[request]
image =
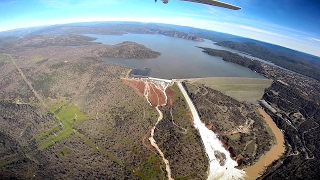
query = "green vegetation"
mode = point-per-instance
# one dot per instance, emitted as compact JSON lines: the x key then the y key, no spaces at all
{"x":57,"y":106}
{"x":65,"y":151}
{"x":176,"y":91}
{"x":235,"y":58}
{"x":242,"y":89}
{"x":6,"y":162}
{"x":234,"y":137}
{"x":94,"y":147}
{"x":180,"y":141}
{"x":38,"y":58}
{"x":112,"y":143}
{"x":44,"y":135}
{"x":250,"y":147}
{"x":67,"y":114}
{"x":270,"y":132}
{"x":189,"y":138}
{"x":5,"y":57}
{"x":180,"y":112}
{"x":152,"y":166}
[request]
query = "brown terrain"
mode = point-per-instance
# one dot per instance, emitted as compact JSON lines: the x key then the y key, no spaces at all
{"x":170,"y":94}
{"x":66,"y":114}
{"x":87,"y":124}
{"x":154,"y":95}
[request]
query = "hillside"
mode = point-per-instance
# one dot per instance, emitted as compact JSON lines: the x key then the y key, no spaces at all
{"x":238,"y":124}
{"x":298,"y":62}
{"x":64,"y":113}
{"x":107,"y":28}
{"x":292,"y":101}
{"x":81,"y":100}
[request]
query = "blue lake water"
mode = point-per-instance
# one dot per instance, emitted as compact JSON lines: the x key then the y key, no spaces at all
{"x":179,"y":58}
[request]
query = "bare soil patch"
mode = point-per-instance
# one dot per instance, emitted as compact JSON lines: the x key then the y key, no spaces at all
{"x":155,"y":95}
{"x":137,"y":86}
{"x":170,"y":94}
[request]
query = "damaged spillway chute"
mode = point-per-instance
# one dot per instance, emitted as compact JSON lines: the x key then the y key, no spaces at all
{"x":222,"y":166}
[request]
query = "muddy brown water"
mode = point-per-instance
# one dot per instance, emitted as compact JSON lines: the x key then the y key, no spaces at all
{"x":253,"y":172}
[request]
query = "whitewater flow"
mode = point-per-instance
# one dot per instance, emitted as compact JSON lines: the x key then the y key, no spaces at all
{"x":222,"y":166}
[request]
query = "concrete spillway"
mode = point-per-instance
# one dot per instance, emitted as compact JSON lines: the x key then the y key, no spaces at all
{"x":222,"y":166}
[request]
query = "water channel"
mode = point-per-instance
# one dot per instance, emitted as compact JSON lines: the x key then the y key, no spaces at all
{"x":253,"y":172}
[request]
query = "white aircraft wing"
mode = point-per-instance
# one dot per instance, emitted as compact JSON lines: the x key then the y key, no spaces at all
{"x":215,"y":3}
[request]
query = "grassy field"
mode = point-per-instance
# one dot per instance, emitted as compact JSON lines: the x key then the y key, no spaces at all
{"x":5,"y":58}
{"x":250,"y":148}
{"x":67,"y":114}
{"x":234,"y":137}
{"x":37,"y":58}
{"x":242,"y":89}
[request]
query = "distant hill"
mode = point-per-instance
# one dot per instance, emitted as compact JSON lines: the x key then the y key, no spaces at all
{"x":108,"y":28}
{"x":206,"y":34}
{"x":296,"y":61}
{"x":19,"y":32}
{"x":293,"y":60}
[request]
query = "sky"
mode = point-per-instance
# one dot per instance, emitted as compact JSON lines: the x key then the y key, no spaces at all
{"x":290,"y":23}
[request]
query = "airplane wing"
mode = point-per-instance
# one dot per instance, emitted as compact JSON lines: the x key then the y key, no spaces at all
{"x":215,"y":3}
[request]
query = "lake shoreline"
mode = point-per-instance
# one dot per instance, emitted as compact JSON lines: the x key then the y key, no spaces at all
{"x":185,"y":60}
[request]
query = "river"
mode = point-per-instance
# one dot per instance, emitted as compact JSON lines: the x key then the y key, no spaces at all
{"x":277,"y":150}
{"x":179,"y":58}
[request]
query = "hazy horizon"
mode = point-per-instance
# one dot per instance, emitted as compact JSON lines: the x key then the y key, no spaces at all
{"x":290,"y":24}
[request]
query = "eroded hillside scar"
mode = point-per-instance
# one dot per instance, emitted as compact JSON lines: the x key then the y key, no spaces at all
{"x":154,"y":90}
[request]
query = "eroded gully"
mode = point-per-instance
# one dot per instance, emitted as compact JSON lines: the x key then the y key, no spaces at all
{"x":162,"y":86}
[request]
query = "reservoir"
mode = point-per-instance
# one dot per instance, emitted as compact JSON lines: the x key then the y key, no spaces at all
{"x":179,"y":58}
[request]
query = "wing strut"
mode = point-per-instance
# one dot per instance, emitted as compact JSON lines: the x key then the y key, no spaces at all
{"x":215,"y":3}
{"x":210,"y":2}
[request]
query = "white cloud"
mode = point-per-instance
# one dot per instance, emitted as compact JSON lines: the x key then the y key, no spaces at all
{"x":257,"y":30}
{"x":289,"y":40}
{"x":313,"y":39}
{"x":239,"y":30}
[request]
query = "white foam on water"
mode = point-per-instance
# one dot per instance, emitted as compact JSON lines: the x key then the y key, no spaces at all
{"x":225,"y":171}
{"x":220,"y":168}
